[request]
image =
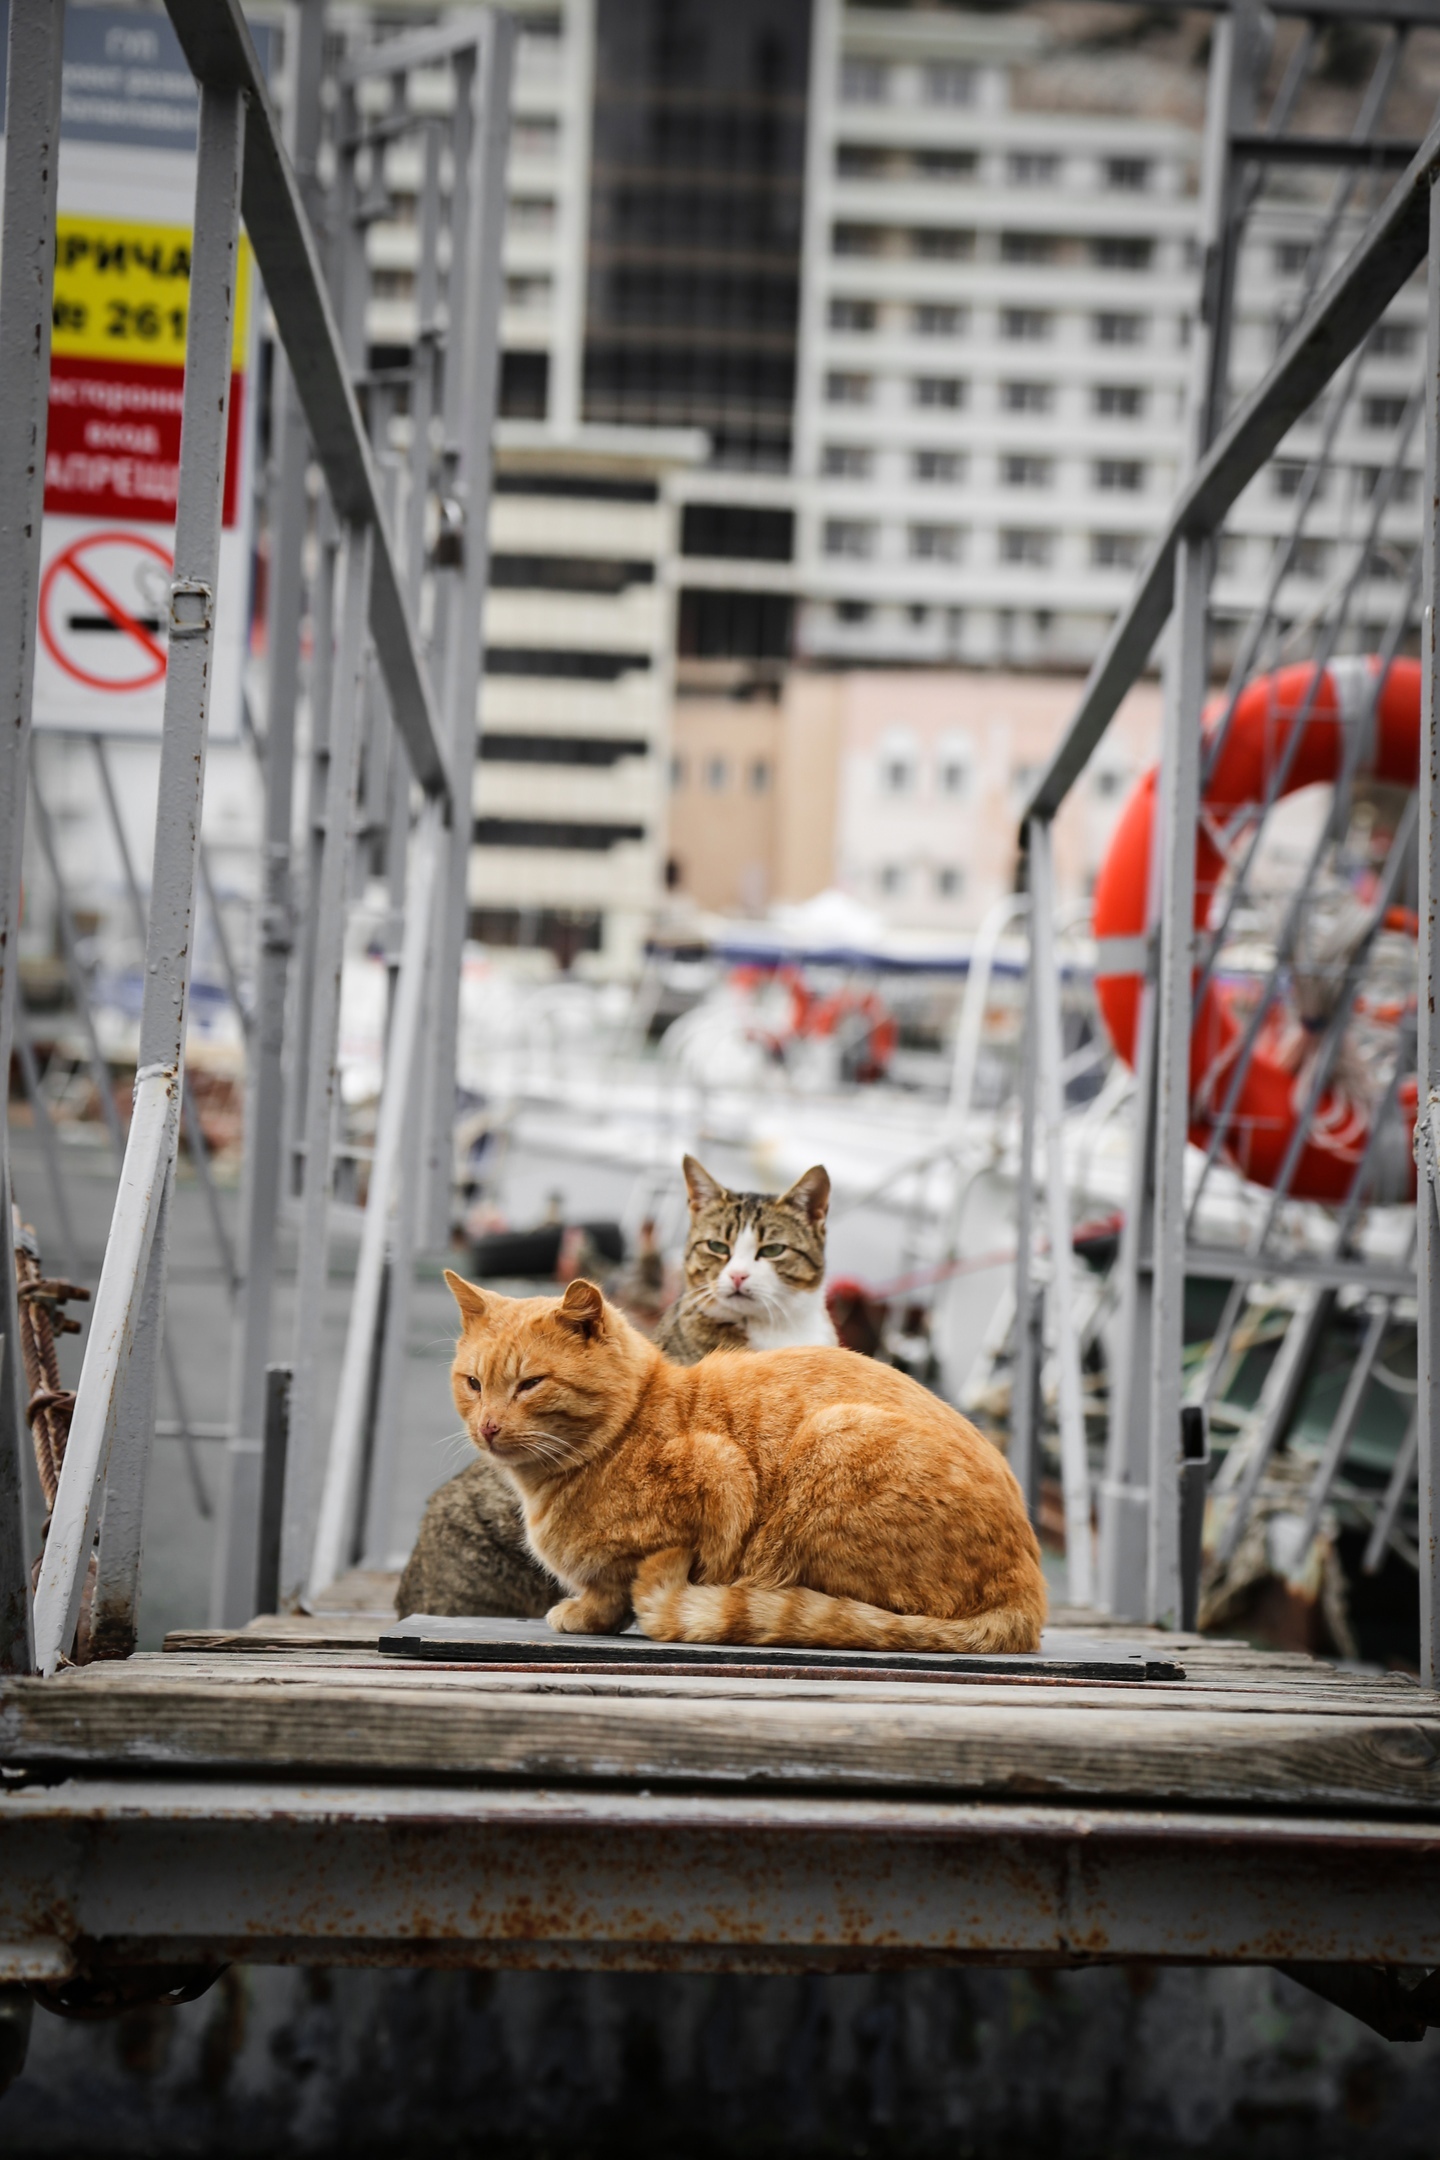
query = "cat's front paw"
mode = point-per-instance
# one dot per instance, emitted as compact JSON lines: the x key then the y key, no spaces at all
{"x":589,"y":1615}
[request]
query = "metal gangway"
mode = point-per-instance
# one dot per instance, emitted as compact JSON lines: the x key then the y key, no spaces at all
{"x":325,"y":1787}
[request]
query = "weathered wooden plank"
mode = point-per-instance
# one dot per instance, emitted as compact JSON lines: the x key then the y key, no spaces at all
{"x":312,"y":1668}
{"x":1056,"y":1751}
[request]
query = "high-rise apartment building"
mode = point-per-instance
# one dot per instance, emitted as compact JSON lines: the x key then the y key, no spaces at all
{"x":918,"y":284}
{"x":993,"y":347}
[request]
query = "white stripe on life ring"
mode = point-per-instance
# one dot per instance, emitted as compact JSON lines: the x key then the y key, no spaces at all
{"x":1125,"y":955}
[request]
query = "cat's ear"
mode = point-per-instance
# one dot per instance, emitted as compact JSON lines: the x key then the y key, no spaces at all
{"x":810,"y":1195}
{"x":583,"y":1309}
{"x":473,"y":1303}
{"x":703,"y":1189}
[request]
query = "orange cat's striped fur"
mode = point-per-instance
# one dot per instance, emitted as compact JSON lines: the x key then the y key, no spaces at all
{"x":781,"y":1496}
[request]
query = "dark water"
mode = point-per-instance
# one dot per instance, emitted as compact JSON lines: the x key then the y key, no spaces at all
{"x":1124,"y":2064}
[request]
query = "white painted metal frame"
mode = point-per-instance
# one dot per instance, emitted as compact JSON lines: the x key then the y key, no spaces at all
{"x":243,"y":170}
{"x":1140,"y":1574}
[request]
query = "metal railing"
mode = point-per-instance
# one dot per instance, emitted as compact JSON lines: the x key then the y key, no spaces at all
{"x":374,"y":682}
{"x":1138,"y":1567}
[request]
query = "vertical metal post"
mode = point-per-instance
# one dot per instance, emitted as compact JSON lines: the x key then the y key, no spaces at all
{"x":1428,"y":1046}
{"x":27,"y":266}
{"x":114,"y":1423}
{"x":1125,"y":1485}
{"x":1126,"y":1506}
{"x":1045,"y":998}
{"x":1025,"y":1388}
{"x":1179,"y":807}
{"x":471,"y":376}
{"x":334,"y":1527}
{"x":327,"y":905}
{"x":233,"y":1583}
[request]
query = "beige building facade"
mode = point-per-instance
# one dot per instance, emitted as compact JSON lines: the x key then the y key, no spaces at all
{"x":900,"y":787}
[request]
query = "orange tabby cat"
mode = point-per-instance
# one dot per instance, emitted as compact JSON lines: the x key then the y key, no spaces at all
{"x":778,"y":1496}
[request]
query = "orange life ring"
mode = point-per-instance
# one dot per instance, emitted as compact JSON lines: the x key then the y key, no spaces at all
{"x":1258,"y":740}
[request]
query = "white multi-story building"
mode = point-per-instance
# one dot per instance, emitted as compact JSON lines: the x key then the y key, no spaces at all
{"x":925,"y":279}
{"x":994,"y":336}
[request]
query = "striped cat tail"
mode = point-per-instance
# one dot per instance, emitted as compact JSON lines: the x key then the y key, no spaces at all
{"x":670,"y":1608}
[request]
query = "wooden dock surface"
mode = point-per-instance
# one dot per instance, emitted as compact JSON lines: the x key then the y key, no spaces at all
{"x":287,"y":1791}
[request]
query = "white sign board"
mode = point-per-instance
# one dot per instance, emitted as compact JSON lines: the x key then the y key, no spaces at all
{"x":129,"y":110}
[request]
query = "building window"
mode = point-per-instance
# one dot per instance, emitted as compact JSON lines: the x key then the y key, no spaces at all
{"x":531,"y":213}
{"x":1287,"y":477}
{"x":937,"y":468}
{"x":1025,"y":547}
{"x":1121,"y":252}
{"x":1118,"y":401}
{"x":1291,"y":257}
{"x":1404,"y":487}
{"x":846,"y":461}
{"x":849,"y":239}
{"x":677,"y":771}
{"x":931,"y":319}
{"x":1027,"y":247}
{"x":949,"y":882}
{"x":1108,"y":783}
{"x":1119,"y":329}
{"x":1119,"y":475}
{"x":1025,"y":326}
{"x":1382,"y":412}
{"x":1115,"y":551}
{"x":946,"y":391}
{"x":949,"y":82}
{"x":946,"y":164}
{"x":1230,"y":555}
{"x":527,"y":293}
{"x":891,"y":879}
{"x":1393,"y":340}
{"x":935,"y":543}
{"x":898,"y":766}
{"x":919,"y":614}
{"x":864,"y":81}
{"x":953,"y":770}
{"x":717,"y":774}
{"x":852,"y":314}
{"x":759,"y":776}
{"x":843,"y":388}
{"x":849,"y":536}
{"x":1026,"y":397}
{"x":533,"y":137}
{"x":942,"y":243}
{"x":1311,"y":558}
{"x":1032,"y":168}
{"x":1021,"y":470}
{"x":852,"y":611}
{"x":1131,"y":174}
{"x":740,"y":531}
{"x":860,"y":161}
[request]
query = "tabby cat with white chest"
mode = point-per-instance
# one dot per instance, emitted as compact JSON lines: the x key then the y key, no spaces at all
{"x":754,"y":1270}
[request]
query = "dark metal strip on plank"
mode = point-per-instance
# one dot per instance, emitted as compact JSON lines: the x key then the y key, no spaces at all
{"x":487,"y":1641}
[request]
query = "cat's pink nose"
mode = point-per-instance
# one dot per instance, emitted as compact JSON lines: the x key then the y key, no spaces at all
{"x":739,"y":1276}
{"x":488,"y":1428}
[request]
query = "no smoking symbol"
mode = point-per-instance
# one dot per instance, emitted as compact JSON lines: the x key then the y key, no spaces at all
{"x":102,"y":611}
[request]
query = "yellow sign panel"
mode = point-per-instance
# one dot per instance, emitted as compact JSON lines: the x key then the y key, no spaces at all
{"x":122,"y":292}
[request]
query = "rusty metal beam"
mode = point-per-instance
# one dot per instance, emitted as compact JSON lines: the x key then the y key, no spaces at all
{"x":197,"y":1870}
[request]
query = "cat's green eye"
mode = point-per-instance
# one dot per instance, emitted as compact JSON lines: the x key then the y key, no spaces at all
{"x":474,"y":1382}
{"x":771,"y":1252}
{"x":717,"y":1245}
{"x":523,"y":1387}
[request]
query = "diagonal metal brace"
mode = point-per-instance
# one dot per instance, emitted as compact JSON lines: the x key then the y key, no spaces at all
{"x":218,"y":47}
